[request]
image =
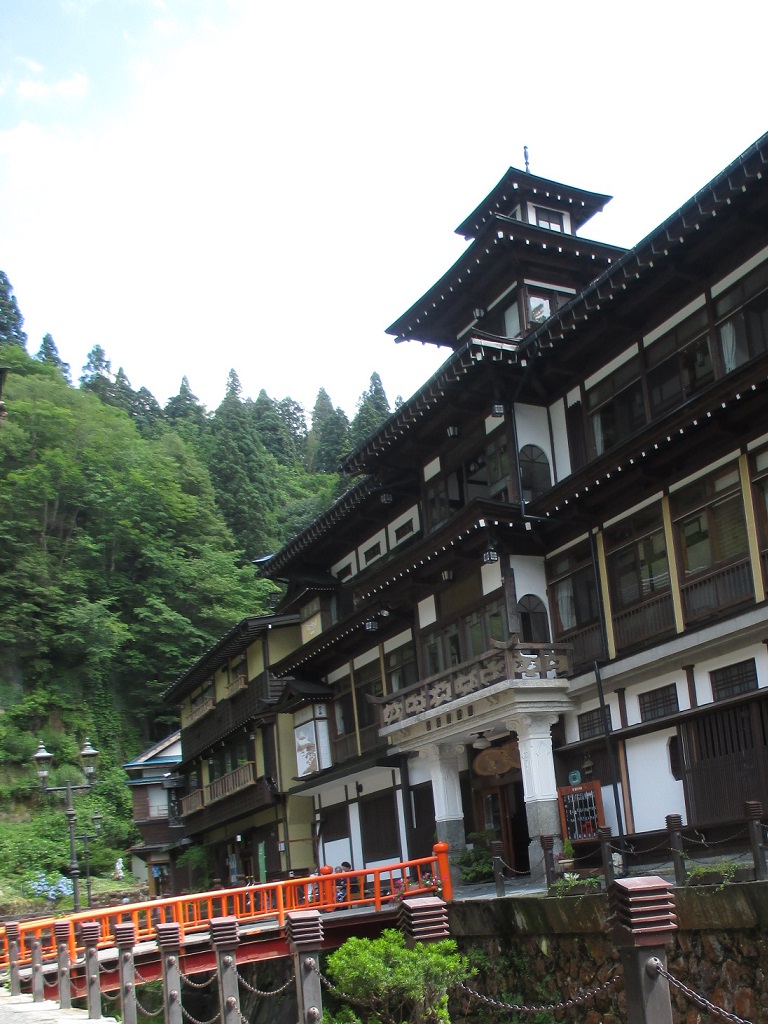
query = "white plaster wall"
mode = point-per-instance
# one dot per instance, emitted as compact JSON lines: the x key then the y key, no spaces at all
{"x":655,"y":793}
{"x":533,"y":427}
{"x":427,"y":612}
{"x":701,"y":671}
{"x":609,"y":807}
{"x":490,"y":576}
{"x":530,"y":577}
{"x":571,"y":722}
{"x":562,"y":460}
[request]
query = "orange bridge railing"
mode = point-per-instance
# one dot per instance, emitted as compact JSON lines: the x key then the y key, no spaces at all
{"x":369,"y":888}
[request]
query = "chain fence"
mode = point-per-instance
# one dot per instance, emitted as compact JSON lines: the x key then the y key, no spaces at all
{"x":696,"y":997}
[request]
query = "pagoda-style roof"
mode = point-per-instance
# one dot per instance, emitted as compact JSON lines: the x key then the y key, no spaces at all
{"x":505,"y":250}
{"x":517,"y":187}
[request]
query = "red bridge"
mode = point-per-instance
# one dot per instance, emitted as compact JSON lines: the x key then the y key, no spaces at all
{"x":352,"y":902}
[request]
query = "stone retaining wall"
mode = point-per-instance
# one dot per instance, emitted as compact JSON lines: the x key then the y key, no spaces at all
{"x":538,"y":950}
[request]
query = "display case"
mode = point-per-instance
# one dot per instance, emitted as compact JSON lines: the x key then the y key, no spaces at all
{"x":581,"y":811}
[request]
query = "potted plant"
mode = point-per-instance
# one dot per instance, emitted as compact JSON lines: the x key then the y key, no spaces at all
{"x":572,"y":884}
{"x":566,"y":859}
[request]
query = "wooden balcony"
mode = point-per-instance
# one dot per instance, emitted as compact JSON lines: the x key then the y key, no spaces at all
{"x":259,"y":790}
{"x":652,"y":619}
{"x":710,"y":593}
{"x":236,"y":685}
{"x":520,"y":663}
{"x":198,"y":712}
{"x":193,"y":802}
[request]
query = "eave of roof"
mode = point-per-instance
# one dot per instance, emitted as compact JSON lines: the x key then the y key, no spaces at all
{"x":237,"y":640}
{"x":470,"y":267}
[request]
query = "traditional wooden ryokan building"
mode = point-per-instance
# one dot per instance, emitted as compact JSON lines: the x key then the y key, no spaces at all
{"x":574,"y":505}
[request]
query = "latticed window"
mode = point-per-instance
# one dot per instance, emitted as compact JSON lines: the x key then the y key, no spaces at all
{"x":637,"y":564}
{"x":714,"y":531}
{"x":592,"y":723}
{"x":659,"y":702}
{"x":734,"y":679}
{"x":534,"y":472}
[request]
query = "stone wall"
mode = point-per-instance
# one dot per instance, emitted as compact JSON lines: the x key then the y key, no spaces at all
{"x":536,"y":950}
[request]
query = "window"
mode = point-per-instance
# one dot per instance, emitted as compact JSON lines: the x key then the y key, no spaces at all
{"x":574,"y":598}
{"x":401,"y":668}
{"x":592,"y":723}
{"x":403,"y":530}
{"x":638,"y":567}
{"x":344,"y":714}
{"x":444,"y":495}
{"x":489,"y":623}
{"x":679,"y":363}
{"x":367,"y":683}
{"x":733,"y":680}
{"x":616,"y":406}
{"x":534,"y":622}
{"x":742,"y":312}
{"x":658,"y":703}
{"x":551,"y":219}
{"x":372,"y":552}
{"x":534,"y":472}
{"x":713,"y":532}
{"x":466,"y":638}
{"x":334,"y":823}
{"x":344,"y":571}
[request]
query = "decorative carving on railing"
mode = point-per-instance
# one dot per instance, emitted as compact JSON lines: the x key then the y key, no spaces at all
{"x":520,"y":663}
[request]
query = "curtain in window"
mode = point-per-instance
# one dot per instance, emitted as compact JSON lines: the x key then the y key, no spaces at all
{"x":566,"y":604}
{"x":728,"y":345}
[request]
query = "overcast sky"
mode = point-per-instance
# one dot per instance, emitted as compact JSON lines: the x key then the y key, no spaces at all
{"x":197,"y":185}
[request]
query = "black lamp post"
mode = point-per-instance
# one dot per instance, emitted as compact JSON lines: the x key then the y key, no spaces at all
{"x":85,"y":839}
{"x":88,"y":756}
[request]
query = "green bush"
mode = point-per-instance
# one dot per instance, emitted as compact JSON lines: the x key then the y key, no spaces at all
{"x":476,"y":865}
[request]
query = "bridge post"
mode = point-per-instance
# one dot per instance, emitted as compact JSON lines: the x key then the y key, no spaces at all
{"x":642,"y":919}
{"x":604,"y":834}
{"x":224,"y":939}
{"x":304,"y":931}
{"x":91,"y":931}
{"x":674,"y":827}
{"x":169,"y":943}
{"x":440,"y":851}
{"x":125,"y":940}
{"x":753,"y":810}
{"x":62,"y":931}
{"x":37,"y":980}
{"x":12,"y":935}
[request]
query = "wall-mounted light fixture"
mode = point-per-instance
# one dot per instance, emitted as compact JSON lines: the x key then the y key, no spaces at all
{"x":490,"y":555}
{"x":497,"y":410}
{"x":588,"y":767}
{"x":371,"y":626}
{"x":447,"y":575}
{"x":452,"y":431}
{"x":478,"y":313}
{"x":386,"y":498}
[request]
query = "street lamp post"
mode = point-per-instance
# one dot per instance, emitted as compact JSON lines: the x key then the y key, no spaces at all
{"x":88,"y":756}
{"x":85,"y":839}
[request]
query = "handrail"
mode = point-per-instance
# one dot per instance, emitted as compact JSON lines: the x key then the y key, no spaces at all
{"x":374,"y":888}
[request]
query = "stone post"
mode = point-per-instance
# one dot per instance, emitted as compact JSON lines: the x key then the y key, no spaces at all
{"x":12,"y":935}
{"x":604,"y":834}
{"x":125,"y":940}
{"x":169,"y":943}
{"x":548,"y":851}
{"x":753,"y":810}
{"x":498,"y":866}
{"x":534,"y":740}
{"x":674,"y":827}
{"x":642,"y":919}
{"x":91,"y":932}
{"x":224,"y":939}
{"x":443,"y":759}
{"x":62,"y":931}
{"x":304,"y":931}
{"x":37,"y":979}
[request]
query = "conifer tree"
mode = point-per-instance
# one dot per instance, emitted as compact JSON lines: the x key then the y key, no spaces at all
{"x":11,"y":320}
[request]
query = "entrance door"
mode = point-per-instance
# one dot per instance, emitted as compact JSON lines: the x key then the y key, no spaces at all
{"x":502,"y":811}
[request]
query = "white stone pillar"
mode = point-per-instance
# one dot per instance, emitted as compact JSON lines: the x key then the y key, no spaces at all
{"x":537,"y":764}
{"x":443,"y":760}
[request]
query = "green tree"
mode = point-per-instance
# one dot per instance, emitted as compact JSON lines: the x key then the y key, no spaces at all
{"x":390,"y":983}
{"x":11,"y":320}
{"x":97,"y":375}
{"x":372,"y":411}
{"x":48,"y":353}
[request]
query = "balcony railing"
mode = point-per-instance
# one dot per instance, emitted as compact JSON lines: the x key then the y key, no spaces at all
{"x":198,"y":712}
{"x":521,"y":663}
{"x":652,"y":618}
{"x":710,"y":593}
{"x":230,"y":783}
{"x":236,"y":685}
{"x":193,"y":802}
